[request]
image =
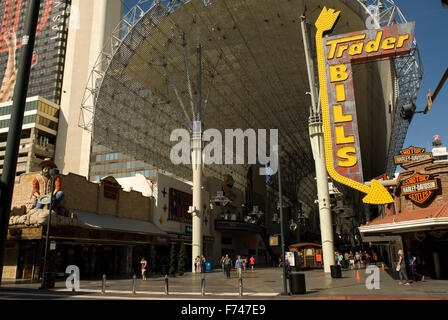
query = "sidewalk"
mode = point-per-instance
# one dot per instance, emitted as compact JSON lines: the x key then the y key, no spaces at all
{"x":264,"y":283}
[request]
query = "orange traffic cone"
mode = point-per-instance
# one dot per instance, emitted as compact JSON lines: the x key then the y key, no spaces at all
{"x":357,"y":275}
{"x":382,"y":266}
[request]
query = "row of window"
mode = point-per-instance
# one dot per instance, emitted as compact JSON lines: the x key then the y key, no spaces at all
{"x":32,"y":119}
{"x":33,"y":105}
{"x":26,"y":119}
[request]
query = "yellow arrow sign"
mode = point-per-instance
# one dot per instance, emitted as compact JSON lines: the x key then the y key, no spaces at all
{"x":376,"y":194}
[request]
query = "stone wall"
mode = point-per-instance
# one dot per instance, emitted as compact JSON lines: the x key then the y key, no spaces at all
{"x":83,"y":195}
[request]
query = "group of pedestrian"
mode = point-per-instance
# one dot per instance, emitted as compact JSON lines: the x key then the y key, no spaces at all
{"x":356,"y":259}
{"x":199,"y":264}
{"x":240,"y":265}
{"x":402,"y":268}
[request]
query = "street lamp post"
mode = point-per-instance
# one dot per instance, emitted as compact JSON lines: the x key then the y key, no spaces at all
{"x":16,"y":121}
{"x":53,"y":173}
{"x":282,"y":234}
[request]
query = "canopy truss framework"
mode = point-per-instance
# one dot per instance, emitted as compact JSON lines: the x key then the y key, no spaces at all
{"x":116,"y":86}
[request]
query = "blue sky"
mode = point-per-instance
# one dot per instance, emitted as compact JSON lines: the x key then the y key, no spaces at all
{"x":431,"y":30}
{"x":431,"y":25}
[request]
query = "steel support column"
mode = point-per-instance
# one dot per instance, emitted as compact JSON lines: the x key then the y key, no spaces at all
{"x":15,"y":127}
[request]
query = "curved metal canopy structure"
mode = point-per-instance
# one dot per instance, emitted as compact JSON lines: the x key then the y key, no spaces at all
{"x":253,"y":76}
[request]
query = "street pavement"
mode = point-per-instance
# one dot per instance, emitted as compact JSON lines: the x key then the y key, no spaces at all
{"x":262,"y":283}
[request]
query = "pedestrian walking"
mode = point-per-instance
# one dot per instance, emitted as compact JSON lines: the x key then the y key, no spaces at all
{"x":340,"y":259}
{"x":358,"y":260}
{"x":252,"y":263}
{"x":239,"y":266}
{"x":227,"y":265}
{"x":143,"y":264}
{"x":368,"y":257}
{"x":244,"y":264}
{"x":413,"y":264}
{"x":352,"y":260}
{"x":346,"y":259}
{"x":401,"y":268}
{"x":197,"y":263}
{"x":374,"y":257}
{"x":222,"y":265}
{"x":203,"y":261}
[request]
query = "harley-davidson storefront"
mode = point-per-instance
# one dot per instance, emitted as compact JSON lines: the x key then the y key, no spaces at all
{"x":417,"y":221}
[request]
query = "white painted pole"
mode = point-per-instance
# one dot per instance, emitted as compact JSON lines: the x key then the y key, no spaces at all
{"x":323,"y":195}
{"x":196,"y":157}
{"x":317,"y":145}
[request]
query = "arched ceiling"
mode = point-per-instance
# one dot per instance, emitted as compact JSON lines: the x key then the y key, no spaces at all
{"x":254,"y":75}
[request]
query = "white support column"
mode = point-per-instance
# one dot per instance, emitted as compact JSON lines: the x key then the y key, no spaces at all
{"x":317,"y":145}
{"x":196,"y":156}
{"x":323,"y":195}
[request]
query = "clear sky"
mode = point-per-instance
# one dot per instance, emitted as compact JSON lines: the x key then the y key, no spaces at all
{"x":431,"y":32}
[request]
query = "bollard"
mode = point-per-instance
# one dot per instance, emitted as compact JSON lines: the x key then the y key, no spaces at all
{"x":203,"y":284}
{"x":240,"y":285}
{"x":134,"y":278}
{"x":166,"y":284}
{"x":103,"y":288}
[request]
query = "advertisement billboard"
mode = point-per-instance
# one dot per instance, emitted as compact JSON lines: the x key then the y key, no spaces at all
{"x":49,"y":50}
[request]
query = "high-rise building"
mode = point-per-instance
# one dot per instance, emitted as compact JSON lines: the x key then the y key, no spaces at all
{"x":92,"y":23}
{"x":49,"y":49}
{"x":70,"y":35}
{"x":40,"y":124}
{"x":39,"y":130}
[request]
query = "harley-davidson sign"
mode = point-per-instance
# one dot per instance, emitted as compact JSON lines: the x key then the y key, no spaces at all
{"x":420,"y":187}
{"x":412,"y":154}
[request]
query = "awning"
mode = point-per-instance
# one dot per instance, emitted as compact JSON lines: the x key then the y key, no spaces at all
{"x":410,"y":220}
{"x":107,"y":222}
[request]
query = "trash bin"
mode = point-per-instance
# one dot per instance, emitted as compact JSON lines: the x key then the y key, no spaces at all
{"x":50,"y":277}
{"x":336,"y":271}
{"x":297,"y":283}
{"x":208,"y":267}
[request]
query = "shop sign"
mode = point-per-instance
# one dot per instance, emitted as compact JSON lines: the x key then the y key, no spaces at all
{"x":335,"y":56}
{"x":419,"y":187}
{"x":412,"y":154}
{"x":420,"y":236}
{"x":290,"y":258}
{"x":273,"y":241}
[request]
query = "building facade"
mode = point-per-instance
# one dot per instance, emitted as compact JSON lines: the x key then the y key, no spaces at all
{"x":417,"y":221}
{"x":98,"y":226}
{"x":39,"y":132}
{"x":92,"y":22}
